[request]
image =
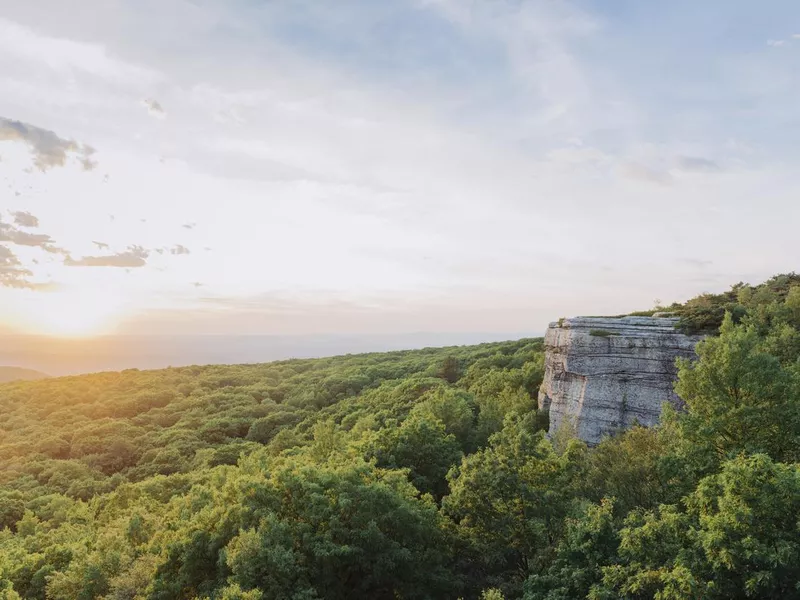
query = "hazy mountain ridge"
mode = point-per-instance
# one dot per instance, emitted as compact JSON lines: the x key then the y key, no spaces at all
{"x":8,"y":374}
{"x":66,"y":356}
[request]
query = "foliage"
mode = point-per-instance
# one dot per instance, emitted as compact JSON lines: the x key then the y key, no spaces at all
{"x":509,"y":500}
{"x":409,"y":475}
{"x":704,"y":314}
{"x":601,"y":333}
{"x":739,"y":537}
{"x":590,"y":542}
{"x":302,"y":478}
{"x":740,"y":397}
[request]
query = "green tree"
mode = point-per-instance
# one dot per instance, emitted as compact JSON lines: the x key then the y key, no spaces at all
{"x":453,"y":408}
{"x":631,"y":468}
{"x":340,"y":533}
{"x":739,"y":398}
{"x":450,"y":369}
{"x":421,"y":445}
{"x":738,"y":538}
{"x":264,"y":429}
{"x":510,"y":499}
{"x":590,"y":542}
{"x":12,"y":509}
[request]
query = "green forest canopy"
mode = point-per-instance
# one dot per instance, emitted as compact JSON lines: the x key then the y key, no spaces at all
{"x":418,"y":474}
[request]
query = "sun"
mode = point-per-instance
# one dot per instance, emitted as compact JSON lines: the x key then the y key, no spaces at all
{"x":72,"y":313}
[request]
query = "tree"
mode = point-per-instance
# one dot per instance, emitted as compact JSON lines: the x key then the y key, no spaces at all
{"x":340,"y":532}
{"x":739,"y":398}
{"x":509,"y":500}
{"x":421,"y":445}
{"x":264,"y":429}
{"x":11,"y":511}
{"x":450,"y":369}
{"x":590,"y":542}
{"x":453,"y":408}
{"x":630,"y":468}
{"x":738,"y":538}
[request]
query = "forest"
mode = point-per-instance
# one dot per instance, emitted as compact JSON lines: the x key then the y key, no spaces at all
{"x":409,"y":475}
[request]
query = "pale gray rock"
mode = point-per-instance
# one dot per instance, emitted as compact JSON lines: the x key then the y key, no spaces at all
{"x":605,"y":374}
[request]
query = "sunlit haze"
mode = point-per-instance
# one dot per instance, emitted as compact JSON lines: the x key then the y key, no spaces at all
{"x":450,"y":166}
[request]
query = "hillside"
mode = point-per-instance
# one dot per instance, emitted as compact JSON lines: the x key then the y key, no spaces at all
{"x":18,"y":373}
{"x":416,"y":474}
{"x":134,"y":424}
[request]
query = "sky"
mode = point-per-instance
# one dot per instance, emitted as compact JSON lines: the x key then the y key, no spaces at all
{"x":358,"y":167}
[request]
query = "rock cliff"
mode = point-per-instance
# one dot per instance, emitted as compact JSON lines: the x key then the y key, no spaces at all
{"x":607,"y":373}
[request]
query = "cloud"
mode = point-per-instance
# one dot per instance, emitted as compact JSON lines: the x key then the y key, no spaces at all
{"x":776,"y":43}
{"x":577,"y":155}
{"x":229,"y":116}
{"x":639,"y":172}
{"x":48,"y":149}
{"x":72,"y":58}
{"x":697,"y":164}
{"x":189,"y":225}
{"x":553,"y":90}
{"x":180,"y":249}
{"x":154,"y":108}
{"x":696,"y":262}
{"x":14,"y":275}
{"x":9,"y":233}
{"x":11,"y":272}
{"x":453,"y":143}
{"x":134,"y":257}
{"x":25,"y":219}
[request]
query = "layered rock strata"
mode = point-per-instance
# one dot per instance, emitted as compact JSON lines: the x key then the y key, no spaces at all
{"x":606,"y":373}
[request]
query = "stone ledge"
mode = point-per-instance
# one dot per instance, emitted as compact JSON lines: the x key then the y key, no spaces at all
{"x":604,"y":382}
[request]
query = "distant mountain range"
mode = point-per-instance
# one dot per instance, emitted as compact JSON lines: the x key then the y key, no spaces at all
{"x":59,"y":357}
{"x":16,"y":373}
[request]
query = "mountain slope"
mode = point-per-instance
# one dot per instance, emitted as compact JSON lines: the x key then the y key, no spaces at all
{"x":20,"y":374}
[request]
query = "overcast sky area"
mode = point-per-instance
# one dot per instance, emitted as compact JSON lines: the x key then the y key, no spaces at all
{"x":305,"y":167}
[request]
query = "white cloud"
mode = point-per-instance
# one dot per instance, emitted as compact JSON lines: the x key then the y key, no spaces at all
{"x":154,"y":108}
{"x":48,"y":149}
{"x":25,"y":219}
{"x":776,"y":43}
{"x":64,"y":55}
{"x":640,"y":172}
{"x":12,"y":274}
{"x":697,"y":164}
{"x":9,"y":233}
{"x":556,"y":94}
{"x":134,"y":257}
{"x":315,"y":173}
{"x":578,"y":155}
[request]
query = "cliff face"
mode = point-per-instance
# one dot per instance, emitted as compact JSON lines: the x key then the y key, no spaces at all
{"x":606,"y":373}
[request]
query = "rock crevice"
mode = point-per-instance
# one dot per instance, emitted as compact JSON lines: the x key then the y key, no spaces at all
{"x":606,"y":373}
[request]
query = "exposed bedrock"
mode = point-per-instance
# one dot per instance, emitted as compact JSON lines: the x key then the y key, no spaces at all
{"x":607,"y":373}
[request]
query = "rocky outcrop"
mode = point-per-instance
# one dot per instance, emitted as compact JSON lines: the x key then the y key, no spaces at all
{"x":607,"y":373}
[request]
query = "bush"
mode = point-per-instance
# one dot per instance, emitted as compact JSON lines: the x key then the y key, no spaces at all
{"x":601,"y":333}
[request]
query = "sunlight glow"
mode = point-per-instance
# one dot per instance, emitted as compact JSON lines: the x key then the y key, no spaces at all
{"x":72,"y":313}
